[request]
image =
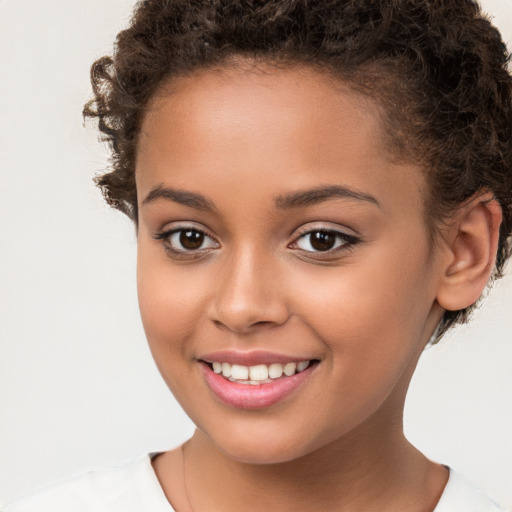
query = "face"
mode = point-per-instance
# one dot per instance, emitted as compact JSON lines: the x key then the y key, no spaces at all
{"x":276,"y":235}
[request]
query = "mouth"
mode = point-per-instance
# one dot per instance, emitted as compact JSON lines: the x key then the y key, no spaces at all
{"x":255,"y":386}
{"x":258,"y":374}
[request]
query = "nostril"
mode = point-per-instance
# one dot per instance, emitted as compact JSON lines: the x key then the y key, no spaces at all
{"x":243,"y":328}
{"x":262,"y":323}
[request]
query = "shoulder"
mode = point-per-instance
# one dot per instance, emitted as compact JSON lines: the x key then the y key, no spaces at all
{"x":461,"y":495}
{"x":131,"y":486}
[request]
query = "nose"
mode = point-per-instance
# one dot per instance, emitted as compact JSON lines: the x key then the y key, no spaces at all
{"x":249,"y":294}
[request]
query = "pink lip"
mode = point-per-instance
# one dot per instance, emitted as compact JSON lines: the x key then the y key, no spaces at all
{"x":251,"y":358}
{"x":248,"y":396}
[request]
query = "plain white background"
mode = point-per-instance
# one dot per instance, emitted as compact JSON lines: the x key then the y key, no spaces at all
{"x":78,"y":388}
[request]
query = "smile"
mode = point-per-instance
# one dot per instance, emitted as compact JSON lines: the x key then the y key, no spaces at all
{"x":256,"y":386}
{"x":258,"y":374}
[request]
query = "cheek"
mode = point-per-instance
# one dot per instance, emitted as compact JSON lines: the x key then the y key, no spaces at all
{"x":169,"y":300}
{"x":355,"y":300}
{"x":170,"y":306}
{"x":370,"y":325}
{"x":371,"y":317}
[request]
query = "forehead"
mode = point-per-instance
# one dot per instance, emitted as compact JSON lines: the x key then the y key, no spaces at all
{"x":289,"y":128}
{"x":296,"y":100}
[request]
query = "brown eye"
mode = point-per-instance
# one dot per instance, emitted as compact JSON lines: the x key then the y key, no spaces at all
{"x":322,"y":240}
{"x":191,"y":239}
{"x":187,"y":240}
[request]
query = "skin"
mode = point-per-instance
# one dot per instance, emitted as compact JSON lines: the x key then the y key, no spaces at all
{"x":365,"y":310}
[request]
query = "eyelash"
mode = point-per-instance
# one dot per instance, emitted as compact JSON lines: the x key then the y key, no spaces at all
{"x":345,"y":242}
{"x":166,"y":236}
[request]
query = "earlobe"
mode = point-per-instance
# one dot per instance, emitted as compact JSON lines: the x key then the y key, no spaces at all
{"x":472,"y":244}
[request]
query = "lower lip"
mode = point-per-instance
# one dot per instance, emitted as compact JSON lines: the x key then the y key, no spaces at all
{"x":249,"y":396}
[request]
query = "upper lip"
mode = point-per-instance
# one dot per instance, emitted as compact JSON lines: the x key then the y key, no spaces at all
{"x":250,"y":358}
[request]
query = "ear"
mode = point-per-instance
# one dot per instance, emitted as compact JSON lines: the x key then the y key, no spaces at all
{"x":472,"y":244}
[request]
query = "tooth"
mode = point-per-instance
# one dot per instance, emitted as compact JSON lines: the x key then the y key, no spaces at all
{"x":259,"y":372}
{"x":217,"y":367}
{"x":226,"y":369}
{"x":289,"y":369}
{"x":275,"y":370}
{"x":239,"y":372}
{"x":302,"y":365}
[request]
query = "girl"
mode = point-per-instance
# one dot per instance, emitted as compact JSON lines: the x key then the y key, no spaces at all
{"x":319,"y":190}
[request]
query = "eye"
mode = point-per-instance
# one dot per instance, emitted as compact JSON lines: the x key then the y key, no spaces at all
{"x":324,"y":240}
{"x":186,"y":240}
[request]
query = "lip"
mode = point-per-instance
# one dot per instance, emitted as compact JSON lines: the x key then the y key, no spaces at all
{"x":251,"y":358}
{"x":247,"y":396}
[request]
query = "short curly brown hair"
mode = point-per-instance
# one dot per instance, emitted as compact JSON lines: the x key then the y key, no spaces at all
{"x":438,"y":67}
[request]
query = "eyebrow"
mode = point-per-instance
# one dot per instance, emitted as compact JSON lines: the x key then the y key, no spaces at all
{"x":298,"y":199}
{"x":317,"y":195}
{"x":190,"y":199}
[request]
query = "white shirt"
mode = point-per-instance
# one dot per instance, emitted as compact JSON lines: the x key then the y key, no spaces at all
{"x":134,"y":487}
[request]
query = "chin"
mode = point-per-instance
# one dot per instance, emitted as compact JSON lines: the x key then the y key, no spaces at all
{"x":264,"y":445}
{"x":261,"y":453}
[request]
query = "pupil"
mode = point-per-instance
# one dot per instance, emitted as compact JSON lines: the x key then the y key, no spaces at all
{"x":191,"y":239}
{"x":322,"y":241}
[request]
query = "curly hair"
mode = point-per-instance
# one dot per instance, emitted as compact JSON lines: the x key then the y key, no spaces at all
{"x":437,"y":67}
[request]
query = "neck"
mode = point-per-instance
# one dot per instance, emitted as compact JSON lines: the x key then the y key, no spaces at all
{"x":366,"y":470}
